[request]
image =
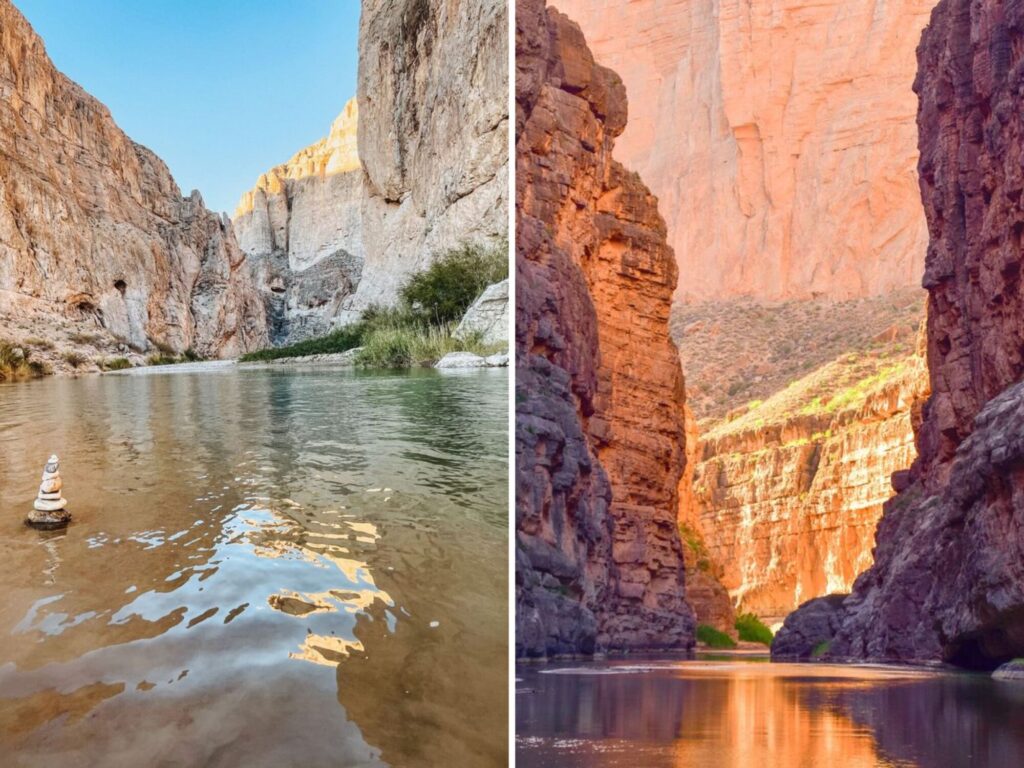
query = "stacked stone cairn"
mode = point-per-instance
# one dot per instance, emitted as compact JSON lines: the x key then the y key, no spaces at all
{"x":49,"y":507}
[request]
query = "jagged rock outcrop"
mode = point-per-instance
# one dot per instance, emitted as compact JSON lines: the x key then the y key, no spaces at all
{"x":599,"y":391}
{"x":487,"y":317}
{"x":433,"y":135}
{"x":95,"y":236}
{"x":793,"y":123}
{"x":788,"y":509}
{"x":301,"y":227}
{"x":948,"y":579}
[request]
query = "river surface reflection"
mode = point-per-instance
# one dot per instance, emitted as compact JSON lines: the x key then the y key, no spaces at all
{"x":265,"y":568}
{"x":738,"y":714}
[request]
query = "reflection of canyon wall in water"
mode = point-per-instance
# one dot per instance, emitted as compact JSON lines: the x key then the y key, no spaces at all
{"x":789,"y":511}
{"x":94,"y":232}
{"x":799,"y":719}
{"x":948,"y":580}
{"x":780,"y":140}
{"x":301,"y":228}
{"x":599,"y":419}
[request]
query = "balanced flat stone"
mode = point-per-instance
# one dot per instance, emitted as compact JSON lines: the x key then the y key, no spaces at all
{"x":48,"y":510}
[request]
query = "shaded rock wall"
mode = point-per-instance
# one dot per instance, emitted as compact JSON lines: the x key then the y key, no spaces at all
{"x":599,"y":391}
{"x":948,"y":578}
{"x":301,"y":227}
{"x":433,"y":134}
{"x":793,"y":122}
{"x":789,"y":511}
{"x":95,"y":234}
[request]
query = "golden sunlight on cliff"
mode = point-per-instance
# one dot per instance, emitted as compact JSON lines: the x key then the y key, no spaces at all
{"x":335,"y":153}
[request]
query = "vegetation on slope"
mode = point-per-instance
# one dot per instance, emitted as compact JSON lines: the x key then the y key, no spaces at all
{"x":16,"y":363}
{"x":846,"y":383}
{"x":737,"y":353}
{"x":752,"y":630}
{"x":419,"y":329}
{"x":714,"y":638}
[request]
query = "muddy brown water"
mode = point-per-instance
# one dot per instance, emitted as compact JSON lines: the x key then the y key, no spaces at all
{"x":738,"y":713}
{"x":265,"y":568}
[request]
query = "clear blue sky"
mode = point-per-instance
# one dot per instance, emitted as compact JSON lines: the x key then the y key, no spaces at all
{"x":220,"y":89}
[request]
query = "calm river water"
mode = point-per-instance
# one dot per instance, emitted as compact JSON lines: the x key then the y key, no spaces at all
{"x":745,"y":714}
{"x":265,"y":568}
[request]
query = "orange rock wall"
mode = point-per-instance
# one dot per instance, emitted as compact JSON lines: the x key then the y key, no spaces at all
{"x":792,"y":121}
{"x":789,"y":513}
{"x":599,"y":403}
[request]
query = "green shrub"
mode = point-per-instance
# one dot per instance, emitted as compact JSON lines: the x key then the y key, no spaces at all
{"x":35,"y":341}
{"x":695,"y":543}
{"x":714,"y":638}
{"x":821,"y":649}
{"x":74,"y":359}
{"x":15,"y":363}
{"x":116,"y":364}
{"x":752,"y":630}
{"x":85,"y":338}
{"x":341,"y":340}
{"x":404,"y":346}
{"x":444,"y":291}
{"x":161,"y":359}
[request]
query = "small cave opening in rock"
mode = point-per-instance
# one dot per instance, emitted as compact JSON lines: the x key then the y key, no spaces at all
{"x":121,"y":286}
{"x":990,"y":648}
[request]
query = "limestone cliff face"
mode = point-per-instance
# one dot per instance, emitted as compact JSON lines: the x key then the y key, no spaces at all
{"x":433,"y":134}
{"x":599,"y":391}
{"x":792,"y":122}
{"x":94,"y":233}
{"x":788,"y":510}
{"x":301,"y":227}
{"x":948,"y":578}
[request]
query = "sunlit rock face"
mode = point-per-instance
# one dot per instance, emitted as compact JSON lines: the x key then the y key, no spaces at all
{"x":94,"y":233}
{"x":788,"y":510}
{"x":301,"y":227}
{"x":433,"y":134}
{"x":599,"y":392}
{"x":792,"y":122}
{"x":948,"y":578}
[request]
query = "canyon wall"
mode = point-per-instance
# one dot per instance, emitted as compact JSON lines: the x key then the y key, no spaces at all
{"x":96,"y":240}
{"x":433,"y":135}
{"x":301,"y":227}
{"x":792,"y":122}
{"x":599,"y":392}
{"x":788,"y":509}
{"x":948,"y":579}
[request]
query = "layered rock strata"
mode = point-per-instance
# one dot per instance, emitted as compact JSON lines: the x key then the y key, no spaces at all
{"x":948,"y":579}
{"x":788,"y":509}
{"x":94,"y":233}
{"x":301,"y":227}
{"x":433,"y":135}
{"x":793,"y":122}
{"x":599,"y":391}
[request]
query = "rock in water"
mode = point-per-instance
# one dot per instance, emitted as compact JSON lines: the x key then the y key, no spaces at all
{"x":49,"y":507}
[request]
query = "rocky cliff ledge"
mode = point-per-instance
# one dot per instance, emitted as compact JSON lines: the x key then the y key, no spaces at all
{"x":790,"y":492}
{"x":301,"y":227}
{"x":433,"y":134}
{"x":948,"y":579}
{"x":793,"y":122}
{"x":96,"y":240}
{"x":599,"y":390}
